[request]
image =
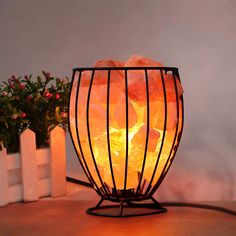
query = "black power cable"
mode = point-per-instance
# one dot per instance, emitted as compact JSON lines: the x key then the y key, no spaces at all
{"x":198,"y":205}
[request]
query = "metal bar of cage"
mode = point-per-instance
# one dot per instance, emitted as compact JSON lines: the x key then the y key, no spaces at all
{"x":163,"y":137}
{"x":89,"y":137}
{"x":173,"y":144}
{"x":108,"y":132}
{"x":147,"y":136}
{"x":127,"y":131}
{"x":178,"y":139}
{"x":127,"y":68}
{"x":89,"y":175}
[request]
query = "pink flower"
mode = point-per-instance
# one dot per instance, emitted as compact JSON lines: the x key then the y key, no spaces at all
{"x":57,"y":96}
{"x":21,"y":86}
{"x":14,"y":116}
{"x":26,"y":77}
{"x":13,"y":77}
{"x":47,"y":95}
{"x":29,"y":98}
{"x":23,"y":115}
{"x":4,"y":93}
{"x":47,"y":75}
{"x":17,"y":81}
{"x":12,"y":85}
{"x":17,"y":98}
{"x":64,"y":114}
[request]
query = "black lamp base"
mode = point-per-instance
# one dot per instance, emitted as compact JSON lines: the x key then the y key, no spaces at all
{"x":126,"y":208}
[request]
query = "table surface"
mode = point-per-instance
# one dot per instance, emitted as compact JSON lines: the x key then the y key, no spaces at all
{"x":66,"y":216}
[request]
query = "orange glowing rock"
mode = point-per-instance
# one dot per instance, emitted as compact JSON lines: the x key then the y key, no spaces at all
{"x":97,"y":120}
{"x":109,"y":63}
{"x":137,"y":61}
{"x":137,"y":90}
{"x":101,"y":92}
{"x":140,"y":137}
{"x":85,"y":78}
{"x":120,"y":112}
{"x":170,"y":88}
{"x":100,"y":76}
{"x":157,"y":115}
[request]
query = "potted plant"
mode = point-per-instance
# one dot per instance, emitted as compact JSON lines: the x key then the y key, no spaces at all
{"x":32,"y":108}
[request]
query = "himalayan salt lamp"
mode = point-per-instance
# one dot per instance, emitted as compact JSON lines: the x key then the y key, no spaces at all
{"x":126,"y":120}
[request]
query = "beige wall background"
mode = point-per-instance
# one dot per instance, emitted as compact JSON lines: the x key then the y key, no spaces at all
{"x":196,"y":36}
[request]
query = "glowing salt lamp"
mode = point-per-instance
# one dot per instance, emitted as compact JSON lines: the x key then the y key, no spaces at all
{"x":126,"y":121}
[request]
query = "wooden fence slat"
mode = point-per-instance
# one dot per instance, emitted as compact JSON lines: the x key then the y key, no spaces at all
{"x":15,"y":193}
{"x":29,"y":166}
{"x":58,"y":162}
{"x":28,"y":161}
{"x":43,"y":156}
{"x":3,"y":178}
{"x":44,"y":187}
{"x":13,"y":161}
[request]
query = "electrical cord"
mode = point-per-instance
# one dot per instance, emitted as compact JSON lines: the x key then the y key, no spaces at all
{"x":170,"y":204}
{"x":198,"y":205}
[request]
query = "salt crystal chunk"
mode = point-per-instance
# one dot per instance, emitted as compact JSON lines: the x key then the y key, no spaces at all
{"x":116,"y":76}
{"x":140,"y":137}
{"x":85,"y":78}
{"x":137,"y":61}
{"x":120,"y":112}
{"x":101,"y":76}
{"x":101,"y":92}
{"x":109,"y":63}
{"x":97,"y":119}
{"x":137,"y":90}
{"x":158,"y":115}
{"x":170,"y":88}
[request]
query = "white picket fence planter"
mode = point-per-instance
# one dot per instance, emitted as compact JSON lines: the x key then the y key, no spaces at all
{"x":33,"y":173}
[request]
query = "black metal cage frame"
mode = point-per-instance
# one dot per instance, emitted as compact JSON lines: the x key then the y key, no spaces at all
{"x":127,"y":198}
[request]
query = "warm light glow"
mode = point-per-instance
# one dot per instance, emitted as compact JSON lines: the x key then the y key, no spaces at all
{"x":137,"y":123}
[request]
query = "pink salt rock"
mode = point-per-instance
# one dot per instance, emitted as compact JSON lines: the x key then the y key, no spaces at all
{"x":109,"y":63}
{"x":97,"y":119}
{"x":137,"y":89}
{"x":137,"y":61}
{"x":85,"y":78}
{"x":101,"y":76}
{"x":101,"y":92}
{"x":140,"y":61}
{"x":140,"y":137}
{"x":137,"y":79}
{"x":170,"y":88}
{"x":157,"y":115}
{"x":120,"y":111}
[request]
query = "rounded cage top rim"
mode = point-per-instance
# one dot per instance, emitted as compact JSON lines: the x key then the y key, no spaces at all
{"x":126,"y":68}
